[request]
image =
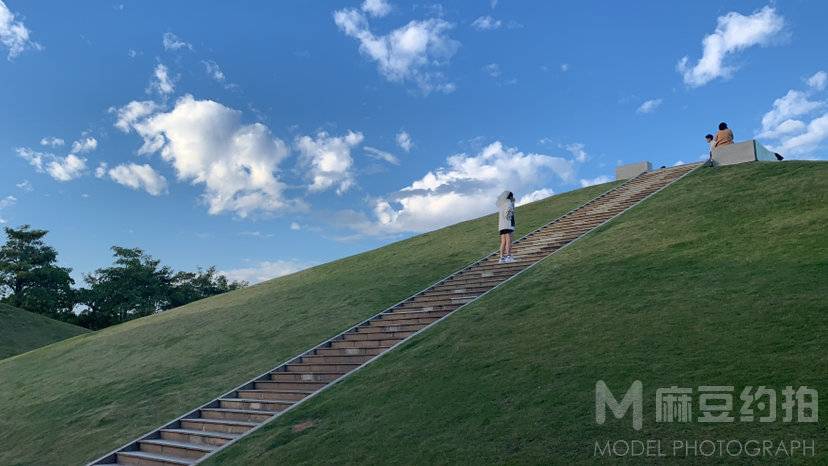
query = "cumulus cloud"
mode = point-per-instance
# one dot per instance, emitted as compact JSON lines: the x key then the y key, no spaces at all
{"x":734,"y":33}
{"x":100,"y":172}
{"x":593,"y":181}
{"x":5,"y":202}
{"x":14,"y":35}
{"x":52,"y":142}
{"x":404,"y":141}
{"x":486,"y":23}
{"x":466,"y":188}
{"x":328,"y":160}
{"x":413,"y":52}
{"x":139,"y":177}
{"x":649,"y":106}
{"x":535,"y":196}
{"x":810,"y":138}
{"x":207,"y":144}
{"x":577,"y":150}
{"x":295,"y":226}
{"x":818,"y":80}
{"x":378,"y":154}
{"x":173,"y":42}
{"x":133,"y":112}
{"x":781,"y":119}
{"x":213,"y":70}
{"x":84,"y":145}
{"x":161,"y":81}
{"x":266,"y":270}
{"x":60,"y":168}
{"x":376,"y":8}
{"x":492,"y":69}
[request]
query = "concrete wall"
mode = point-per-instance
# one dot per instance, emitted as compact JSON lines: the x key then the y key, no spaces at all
{"x":631,"y":170}
{"x":730,"y":154}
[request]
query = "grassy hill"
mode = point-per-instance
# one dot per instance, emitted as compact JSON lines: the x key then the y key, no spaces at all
{"x":22,"y":331}
{"x":78,"y":399}
{"x":720,"y":280}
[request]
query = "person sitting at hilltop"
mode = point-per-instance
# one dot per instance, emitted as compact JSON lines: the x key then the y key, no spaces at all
{"x":506,"y":225}
{"x":724,"y":136}
{"x":711,"y":144}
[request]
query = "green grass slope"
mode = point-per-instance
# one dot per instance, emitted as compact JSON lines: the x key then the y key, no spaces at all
{"x":22,"y":331}
{"x":73,"y":401}
{"x":719,"y":280}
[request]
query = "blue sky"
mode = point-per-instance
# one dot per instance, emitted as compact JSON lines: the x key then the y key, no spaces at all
{"x":268,"y":136}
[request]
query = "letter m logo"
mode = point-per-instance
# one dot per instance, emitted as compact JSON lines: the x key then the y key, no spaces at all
{"x":604,"y":399}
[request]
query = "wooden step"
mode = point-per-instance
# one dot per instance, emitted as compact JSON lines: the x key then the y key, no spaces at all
{"x":143,"y":458}
{"x":236,"y":414}
{"x":280,"y":395}
{"x":197,"y":436}
{"x":252,"y":404}
{"x":175,"y":449}
{"x":217,"y":425}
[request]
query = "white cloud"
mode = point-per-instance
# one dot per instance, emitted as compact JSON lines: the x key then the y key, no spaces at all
{"x":649,"y":106}
{"x":803,"y":144}
{"x":139,"y":177}
{"x":295,"y":226}
{"x":60,"y":168}
{"x":208,"y":145}
{"x":593,"y":181}
{"x":14,"y":35}
{"x":52,"y":142}
{"x":404,"y":141}
{"x":486,"y":23}
{"x":83,"y":146}
{"x":378,"y":154}
{"x":376,"y":8}
{"x":133,"y":112}
{"x":792,"y":104}
{"x":535,"y":196}
{"x":100,"y":172}
{"x":492,"y":69}
{"x":213,"y":70}
{"x":818,"y":80}
{"x":465,"y":189}
{"x":734,"y":32}
{"x":328,"y":160}
{"x":7,"y":201}
{"x":576,"y":149}
{"x":564,"y":67}
{"x":173,"y":42}
{"x":25,"y":185}
{"x":410,"y":53}
{"x":161,"y":81}
{"x":265,"y":271}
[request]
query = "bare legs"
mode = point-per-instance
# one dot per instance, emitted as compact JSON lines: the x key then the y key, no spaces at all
{"x":505,"y":245}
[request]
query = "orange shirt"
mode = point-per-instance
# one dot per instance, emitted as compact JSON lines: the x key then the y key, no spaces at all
{"x":724,"y":137}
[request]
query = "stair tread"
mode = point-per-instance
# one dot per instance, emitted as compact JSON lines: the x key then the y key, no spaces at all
{"x":222,"y":421}
{"x":296,"y":392}
{"x":243,"y":411}
{"x":204,"y":433}
{"x":256,"y":400}
{"x":158,"y":457}
{"x":175,"y":443}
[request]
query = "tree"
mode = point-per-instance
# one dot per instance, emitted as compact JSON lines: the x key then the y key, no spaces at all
{"x":138,"y":285}
{"x":189,"y":286}
{"x":135,"y":286}
{"x":29,"y":276}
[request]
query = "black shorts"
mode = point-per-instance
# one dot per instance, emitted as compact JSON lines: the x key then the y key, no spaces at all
{"x":506,"y":232}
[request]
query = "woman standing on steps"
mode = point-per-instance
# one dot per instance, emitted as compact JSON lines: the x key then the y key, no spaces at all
{"x":506,"y":224}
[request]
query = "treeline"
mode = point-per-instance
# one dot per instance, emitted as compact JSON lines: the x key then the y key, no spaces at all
{"x":135,"y":285}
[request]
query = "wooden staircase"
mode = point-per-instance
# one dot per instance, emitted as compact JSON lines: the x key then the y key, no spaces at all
{"x":217,"y":424}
